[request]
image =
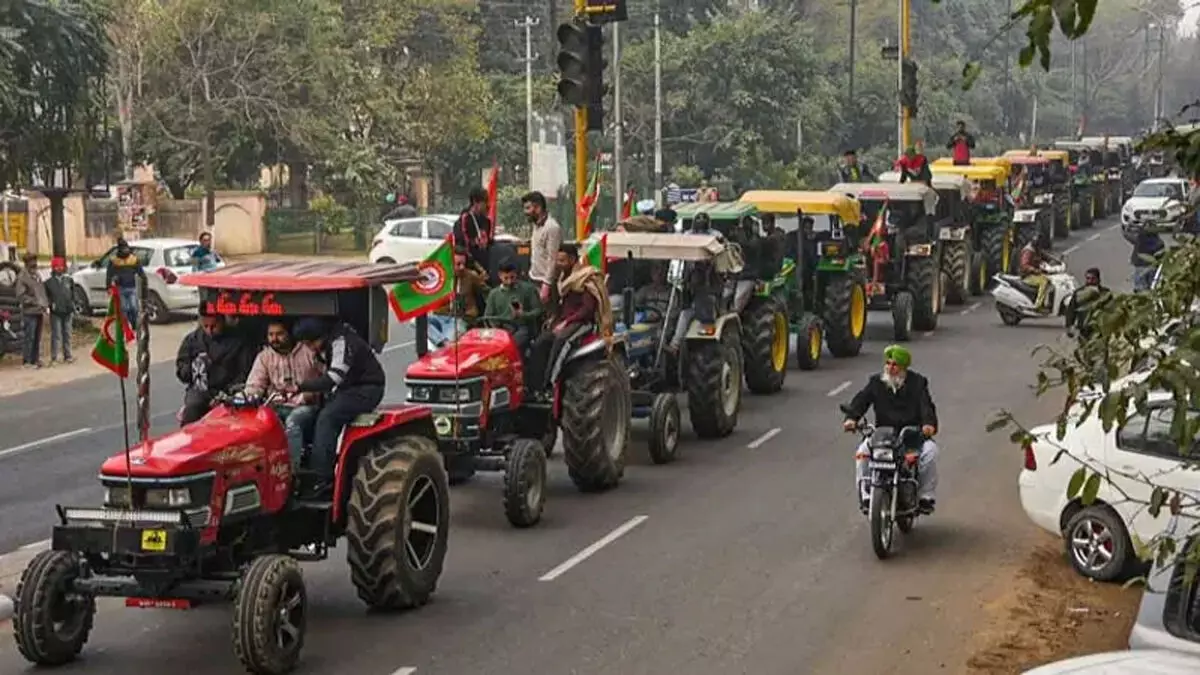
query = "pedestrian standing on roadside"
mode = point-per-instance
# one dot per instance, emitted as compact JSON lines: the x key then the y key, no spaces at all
{"x":60,"y":290}
{"x":544,"y":245}
{"x":31,"y":294}
{"x":204,"y":258}
{"x":124,"y":268}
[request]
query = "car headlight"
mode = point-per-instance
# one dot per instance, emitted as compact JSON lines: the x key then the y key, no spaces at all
{"x":882,"y":454}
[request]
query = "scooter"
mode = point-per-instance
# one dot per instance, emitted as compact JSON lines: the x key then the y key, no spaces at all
{"x":1015,"y":299}
{"x":9,"y":340}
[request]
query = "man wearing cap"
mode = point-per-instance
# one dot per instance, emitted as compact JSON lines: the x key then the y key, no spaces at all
{"x":666,"y":218}
{"x":901,"y":398}
{"x":60,"y":290}
{"x":35,"y":307}
{"x":851,"y":171}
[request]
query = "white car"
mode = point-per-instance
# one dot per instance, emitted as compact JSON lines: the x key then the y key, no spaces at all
{"x":1169,"y":614}
{"x":1156,"y":201}
{"x":1097,"y":537}
{"x":404,"y":239}
{"x":165,"y":260}
{"x":1148,"y":662}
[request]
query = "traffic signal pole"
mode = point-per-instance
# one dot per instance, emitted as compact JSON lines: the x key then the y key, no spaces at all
{"x":905,"y":50}
{"x":581,"y":148}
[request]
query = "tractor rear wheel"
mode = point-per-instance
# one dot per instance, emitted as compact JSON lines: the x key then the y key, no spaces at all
{"x":845,"y":316}
{"x":596,"y":409}
{"x":398,"y":522}
{"x":767,"y":341}
{"x":957,"y":263}
{"x":997,"y":253}
{"x":925,"y":280}
{"x":714,"y":384}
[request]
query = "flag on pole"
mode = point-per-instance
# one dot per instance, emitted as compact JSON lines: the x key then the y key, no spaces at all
{"x":878,"y":234}
{"x":435,"y":288}
{"x":110,"y":350}
{"x":583,"y":211}
{"x":492,"y":187}
{"x":596,"y":253}
{"x":627,"y":204}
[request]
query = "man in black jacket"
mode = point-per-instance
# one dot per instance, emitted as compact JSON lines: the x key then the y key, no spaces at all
{"x":901,"y":398}
{"x":851,"y":171}
{"x":353,"y":383}
{"x":1083,"y":302}
{"x":211,"y":359}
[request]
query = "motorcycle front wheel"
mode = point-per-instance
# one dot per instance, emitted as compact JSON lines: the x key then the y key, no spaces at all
{"x":882,"y":522}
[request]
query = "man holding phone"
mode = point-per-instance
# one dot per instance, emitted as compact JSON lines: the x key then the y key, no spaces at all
{"x":515,"y":300}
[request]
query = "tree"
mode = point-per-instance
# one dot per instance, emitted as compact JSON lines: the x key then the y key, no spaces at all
{"x":55,"y":57}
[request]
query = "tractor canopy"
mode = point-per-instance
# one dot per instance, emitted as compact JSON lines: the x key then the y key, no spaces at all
{"x":891,"y":192}
{"x":355,"y":292}
{"x":812,"y":203}
{"x":981,"y":173}
{"x":724,"y":215}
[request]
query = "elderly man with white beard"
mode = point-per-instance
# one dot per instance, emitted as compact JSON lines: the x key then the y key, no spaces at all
{"x":901,"y":398}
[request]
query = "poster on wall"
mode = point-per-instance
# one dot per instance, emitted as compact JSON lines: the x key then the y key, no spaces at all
{"x":136,"y":207}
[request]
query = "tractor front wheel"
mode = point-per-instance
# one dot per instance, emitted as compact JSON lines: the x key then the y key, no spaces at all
{"x":924,"y":279}
{"x":270,"y":615}
{"x":957,"y":264}
{"x":52,"y":622}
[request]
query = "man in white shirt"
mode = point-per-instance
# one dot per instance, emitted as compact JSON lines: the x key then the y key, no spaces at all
{"x":544,"y":245}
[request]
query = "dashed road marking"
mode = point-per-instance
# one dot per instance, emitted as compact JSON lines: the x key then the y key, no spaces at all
{"x":402,"y":345}
{"x":839,"y":389}
{"x":971,"y":308}
{"x":406,"y":670}
{"x":590,"y":551}
{"x":17,"y":449}
{"x":1094,"y":237}
{"x":928,"y":333}
{"x":45,"y":543}
{"x":1071,"y":250}
{"x":756,"y":443}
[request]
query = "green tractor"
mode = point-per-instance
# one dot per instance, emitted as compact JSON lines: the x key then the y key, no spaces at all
{"x":1040,"y":191}
{"x":991,"y":215}
{"x":825,"y":290}
{"x":758,"y":295}
{"x":1089,"y":179}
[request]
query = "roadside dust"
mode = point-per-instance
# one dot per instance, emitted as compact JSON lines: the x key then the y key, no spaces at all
{"x":1050,"y":613}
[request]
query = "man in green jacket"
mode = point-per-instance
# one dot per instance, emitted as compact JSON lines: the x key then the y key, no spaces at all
{"x":515,"y":300}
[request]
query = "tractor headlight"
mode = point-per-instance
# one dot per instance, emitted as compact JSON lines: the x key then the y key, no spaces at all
{"x":117,"y":497}
{"x":831,"y":249}
{"x":458,"y":395}
{"x":168,"y":498}
{"x":423,"y":394}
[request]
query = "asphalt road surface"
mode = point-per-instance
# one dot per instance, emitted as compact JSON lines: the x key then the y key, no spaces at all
{"x":746,"y":556}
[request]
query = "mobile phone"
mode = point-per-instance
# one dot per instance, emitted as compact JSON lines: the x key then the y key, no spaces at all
{"x":516,"y":304}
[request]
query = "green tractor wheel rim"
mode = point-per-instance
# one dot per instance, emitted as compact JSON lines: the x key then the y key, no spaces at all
{"x":858,"y":311}
{"x":779,"y":342}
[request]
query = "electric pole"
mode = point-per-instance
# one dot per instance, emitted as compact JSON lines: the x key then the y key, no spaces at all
{"x":528,"y":24}
{"x":905,"y":121}
{"x":658,"y":156}
{"x":853,"y":39}
{"x":618,"y":121}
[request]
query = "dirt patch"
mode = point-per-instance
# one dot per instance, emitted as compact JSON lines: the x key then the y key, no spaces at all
{"x":1050,"y":613}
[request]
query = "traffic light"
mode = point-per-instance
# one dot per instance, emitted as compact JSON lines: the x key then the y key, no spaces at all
{"x":581,"y":69}
{"x":595,"y":78}
{"x":908,"y":84}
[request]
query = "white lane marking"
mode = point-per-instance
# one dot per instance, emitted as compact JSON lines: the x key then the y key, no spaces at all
{"x":590,"y":551}
{"x":756,"y":443}
{"x":1094,"y":237}
{"x":839,"y":389}
{"x":1071,"y":250}
{"x":45,"y":543}
{"x":973,"y":306}
{"x":407,"y":670}
{"x":929,"y":334}
{"x":392,"y":348}
{"x":49,"y":439}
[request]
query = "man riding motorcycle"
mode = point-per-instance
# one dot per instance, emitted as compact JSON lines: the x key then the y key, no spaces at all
{"x":1084,"y":302}
{"x":901,"y":398}
{"x":211,"y":359}
{"x":1034,"y":256}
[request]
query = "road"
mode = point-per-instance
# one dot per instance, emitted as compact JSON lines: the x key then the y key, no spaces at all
{"x":746,"y":556}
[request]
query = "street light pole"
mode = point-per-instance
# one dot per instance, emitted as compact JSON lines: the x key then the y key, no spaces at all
{"x":853,"y":39}
{"x":658,"y":156}
{"x":1158,"y":85}
{"x":528,"y":23}
{"x":618,"y":179}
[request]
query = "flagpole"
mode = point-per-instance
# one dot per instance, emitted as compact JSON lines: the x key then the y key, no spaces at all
{"x":143,"y":364}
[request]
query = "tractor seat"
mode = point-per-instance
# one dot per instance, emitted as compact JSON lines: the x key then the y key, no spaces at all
{"x":366,"y":420}
{"x":1020,"y":285}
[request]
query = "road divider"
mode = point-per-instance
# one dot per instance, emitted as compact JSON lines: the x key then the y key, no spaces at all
{"x":839,"y":389}
{"x":25,"y":447}
{"x":620,"y":531}
{"x":756,"y":443}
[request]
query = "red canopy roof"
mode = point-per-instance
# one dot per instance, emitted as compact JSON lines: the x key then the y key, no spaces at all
{"x":302,"y":275}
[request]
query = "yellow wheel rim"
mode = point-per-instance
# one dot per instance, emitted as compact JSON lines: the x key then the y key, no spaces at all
{"x":983,"y":276}
{"x":1006,"y":253}
{"x":779,"y":344}
{"x":858,"y":311}
{"x":814,"y":343}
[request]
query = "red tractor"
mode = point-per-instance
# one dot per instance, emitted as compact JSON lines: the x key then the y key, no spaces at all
{"x":487,"y":418}
{"x":211,"y":513}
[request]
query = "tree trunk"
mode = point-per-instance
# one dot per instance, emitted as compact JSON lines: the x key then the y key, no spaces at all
{"x":298,"y":184}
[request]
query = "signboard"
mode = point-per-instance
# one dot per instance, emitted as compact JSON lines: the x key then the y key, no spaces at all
{"x":549,"y":172}
{"x":605,"y":11}
{"x":678,"y":195}
{"x":267,"y":303}
{"x":13,"y":230}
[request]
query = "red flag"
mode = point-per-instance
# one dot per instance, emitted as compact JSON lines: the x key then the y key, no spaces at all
{"x":491,"y":188}
{"x":627,"y":206}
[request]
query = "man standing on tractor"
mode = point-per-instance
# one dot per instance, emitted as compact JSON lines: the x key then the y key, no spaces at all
{"x":280,"y":366}
{"x":914,"y":166}
{"x":850,"y":171}
{"x":583,"y":303}
{"x":1033,"y":257}
{"x":515,"y":300}
{"x":547,"y":237}
{"x":353,"y":382}
{"x":473,"y":231}
{"x":961,"y":144}
{"x":211,"y":359}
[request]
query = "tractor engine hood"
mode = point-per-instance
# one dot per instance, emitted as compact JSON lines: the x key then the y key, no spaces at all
{"x":222,"y":439}
{"x":479,"y":352}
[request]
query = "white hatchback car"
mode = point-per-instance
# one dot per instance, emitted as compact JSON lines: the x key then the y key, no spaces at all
{"x":1097,"y":537}
{"x":1156,"y":201}
{"x":165,"y":260}
{"x":404,"y":239}
{"x":1151,"y":662}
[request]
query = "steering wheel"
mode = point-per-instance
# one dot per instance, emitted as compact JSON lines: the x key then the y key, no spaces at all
{"x":649,"y":315}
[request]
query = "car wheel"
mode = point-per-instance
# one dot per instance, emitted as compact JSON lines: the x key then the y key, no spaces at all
{"x":83,"y":307}
{"x":156,"y":310}
{"x":1097,"y":544}
{"x":385,"y":261}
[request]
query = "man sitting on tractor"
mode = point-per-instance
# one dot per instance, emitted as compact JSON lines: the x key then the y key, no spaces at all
{"x":281,"y":365}
{"x":655,"y":297}
{"x":515,"y":300}
{"x":211,"y":359}
{"x":470,"y":295}
{"x":584,"y":304}
{"x":353,"y":382}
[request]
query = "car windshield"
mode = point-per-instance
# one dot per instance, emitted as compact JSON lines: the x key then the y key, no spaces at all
{"x":1168,"y":190}
{"x":180,"y":256}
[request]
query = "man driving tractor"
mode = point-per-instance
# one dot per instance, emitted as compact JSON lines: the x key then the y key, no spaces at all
{"x":280,"y":366}
{"x":584,"y":303}
{"x":515,"y":300}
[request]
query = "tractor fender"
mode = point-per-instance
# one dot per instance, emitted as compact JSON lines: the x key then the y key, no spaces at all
{"x":700,"y":331}
{"x":360,"y":435}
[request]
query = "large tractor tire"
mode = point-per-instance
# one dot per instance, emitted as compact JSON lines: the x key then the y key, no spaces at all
{"x":1087,"y":211}
{"x":810,"y":338}
{"x":1060,"y":227}
{"x":50,"y":625}
{"x":398,"y":523}
{"x":767,"y":341}
{"x":714,"y":385}
{"x":270,"y":615}
{"x":925,"y":280}
{"x":956,"y":262}
{"x":845,"y":315}
{"x":596,"y":409}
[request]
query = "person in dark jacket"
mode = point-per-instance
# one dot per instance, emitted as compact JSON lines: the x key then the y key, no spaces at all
{"x":473,"y":231}
{"x":35,"y":306}
{"x":901,"y":398}
{"x":851,"y":171}
{"x":60,"y":289}
{"x":403,"y":209}
{"x":1148,"y":249}
{"x":213,"y":358}
{"x":353,"y":384}
{"x":124,"y":268}
{"x":1084,"y":301}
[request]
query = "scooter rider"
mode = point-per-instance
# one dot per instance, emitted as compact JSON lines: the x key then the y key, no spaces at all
{"x":901,"y":398}
{"x":1033,"y":256}
{"x":354,"y":376}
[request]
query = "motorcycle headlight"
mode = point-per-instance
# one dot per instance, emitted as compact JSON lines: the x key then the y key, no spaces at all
{"x":882,"y":454}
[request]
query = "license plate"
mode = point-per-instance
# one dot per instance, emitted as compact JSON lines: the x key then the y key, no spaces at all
{"x":154,"y":541}
{"x":158,"y":603}
{"x":882,"y":465}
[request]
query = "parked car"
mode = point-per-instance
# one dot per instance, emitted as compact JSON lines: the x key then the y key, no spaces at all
{"x":164,"y":260}
{"x":1157,"y":201}
{"x":1169,"y":614}
{"x":1156,"y":662}
{"x":1097,"y":537}
{"x":404,"y":239}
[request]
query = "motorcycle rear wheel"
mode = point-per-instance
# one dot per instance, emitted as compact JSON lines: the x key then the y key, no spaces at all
{"x":882,"y":533}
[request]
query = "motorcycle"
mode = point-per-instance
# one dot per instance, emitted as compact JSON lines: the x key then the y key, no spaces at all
{"x":892,"y":477}
{"x":1016,"y":300}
